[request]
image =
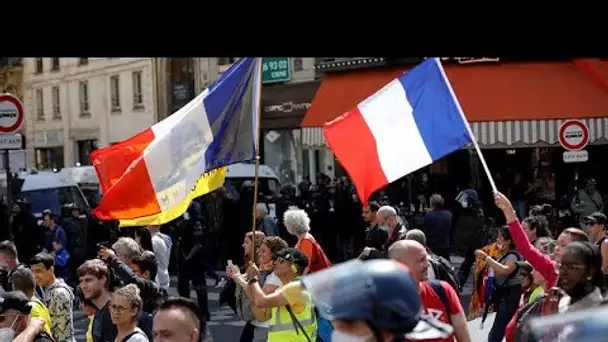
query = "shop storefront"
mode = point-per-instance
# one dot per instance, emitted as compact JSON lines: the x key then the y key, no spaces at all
{"x":283,"y":108}
{"x":515,"y":111}
{"x":48,"y":148}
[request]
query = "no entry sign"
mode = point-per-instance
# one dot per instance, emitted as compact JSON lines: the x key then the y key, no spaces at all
{"x":11,"y":114}
{"x":573,"y":135}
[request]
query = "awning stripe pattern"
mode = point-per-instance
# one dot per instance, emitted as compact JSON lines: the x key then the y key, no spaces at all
{"x":500,"y":134}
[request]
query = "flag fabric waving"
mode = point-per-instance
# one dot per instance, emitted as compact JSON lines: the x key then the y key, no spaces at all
{"x":408,"y":124}
{"x":148,"y":176}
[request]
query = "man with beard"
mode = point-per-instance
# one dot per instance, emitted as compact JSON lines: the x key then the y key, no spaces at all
{"x":374,"y":236}
{"x":387,"y":220}
{"x":94,"y":278}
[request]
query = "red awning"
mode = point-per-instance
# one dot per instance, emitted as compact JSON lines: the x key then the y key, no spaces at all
{"x":488,"y":92}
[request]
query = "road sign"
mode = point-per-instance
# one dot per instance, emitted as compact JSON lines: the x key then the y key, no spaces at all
{"x":11,"y":113}
{"x":10,"y":142}
{"x":17,"y":161}
{"x":576,"y":156}
{"x":276,"y":69}
{"x":573,"y":135}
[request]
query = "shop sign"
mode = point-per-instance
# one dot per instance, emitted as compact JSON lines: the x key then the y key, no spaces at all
{"x":287,"y":107}
{"x":573,"y":135}
{"x":581,"y":156}
{"x":276,"y":69}
{"x":470,"y":60}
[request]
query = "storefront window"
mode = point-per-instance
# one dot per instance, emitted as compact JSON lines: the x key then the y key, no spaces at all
{"x":85,"y":147}
{"x":280,"y":153}
{"x":49,"y":158}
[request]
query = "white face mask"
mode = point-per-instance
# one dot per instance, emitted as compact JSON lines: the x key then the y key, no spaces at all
{"x":7,"y":334}
{"x":339,"y":336}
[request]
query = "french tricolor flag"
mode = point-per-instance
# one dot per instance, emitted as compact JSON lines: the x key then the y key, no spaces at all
{"x":410,"y":123}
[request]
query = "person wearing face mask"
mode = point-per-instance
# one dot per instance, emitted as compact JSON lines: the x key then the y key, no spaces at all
{"x":586,"y":202}
{"x":372,"y":301}
{"x":388,"y":220}
{"x":14,"y":311}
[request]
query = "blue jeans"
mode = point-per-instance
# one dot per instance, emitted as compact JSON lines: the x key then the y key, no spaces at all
{"x":507,"y":307}
{"x":521,"y":209}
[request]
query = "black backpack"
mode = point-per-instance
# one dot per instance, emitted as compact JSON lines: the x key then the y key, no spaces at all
{"x":528,"y":311}
{"x":444,"y":270}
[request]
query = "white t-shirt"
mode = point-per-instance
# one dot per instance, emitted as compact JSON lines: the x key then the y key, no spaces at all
{"x":272,"y":279}
{"x":139,"y":337}
{"x":161,"y":244}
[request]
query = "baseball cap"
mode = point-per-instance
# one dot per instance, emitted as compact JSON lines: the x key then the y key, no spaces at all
{"x":295,"y":256}
{"x":596,"y":218}
{"x":15,"y":300}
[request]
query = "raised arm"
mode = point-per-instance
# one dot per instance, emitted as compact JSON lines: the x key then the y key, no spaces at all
{"x":540,"y":261}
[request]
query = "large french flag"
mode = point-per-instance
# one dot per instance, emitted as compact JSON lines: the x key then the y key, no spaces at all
{"x":154,"y":175}
{"x":408,"y":124}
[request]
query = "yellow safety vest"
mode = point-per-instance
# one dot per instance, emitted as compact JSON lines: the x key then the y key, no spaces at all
{"x":283,"y":328}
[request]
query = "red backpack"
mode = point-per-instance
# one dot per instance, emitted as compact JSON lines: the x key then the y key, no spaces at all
{"x":319,"y":259}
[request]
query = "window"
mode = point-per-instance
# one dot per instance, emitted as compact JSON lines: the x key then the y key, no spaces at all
{"x":226,"y":60}
{"x":138,"y":98}
{"x":84,"y":97}
{"x":56,"y":105}
{"x":297,"y":64}
{"x":54,"y":64}
{"x":39,"y":105}
{"x":83,"y":61}
{"x":115,"y":93}
{"x":39,"y":65}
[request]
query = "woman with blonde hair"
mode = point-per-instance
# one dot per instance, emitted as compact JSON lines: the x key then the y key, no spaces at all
{"x":125,"y":306}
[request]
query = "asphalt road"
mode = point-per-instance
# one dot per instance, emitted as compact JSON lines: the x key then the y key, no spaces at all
{"x":224,"y":324}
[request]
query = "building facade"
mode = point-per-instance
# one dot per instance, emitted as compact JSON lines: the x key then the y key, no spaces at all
{"x":75,"y":105}
{"x":515,"y":109}
{"x":289,"y":87}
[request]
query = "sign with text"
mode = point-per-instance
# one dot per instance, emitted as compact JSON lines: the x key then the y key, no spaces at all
{"x":276,"y":69}
{"x":581,"y":156}
{"x":11,"y":113}
{"x":10,"y":142}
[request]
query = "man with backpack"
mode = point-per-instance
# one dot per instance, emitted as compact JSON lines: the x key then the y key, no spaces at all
{"x":439,"y":267}
{"x":439,"y":299}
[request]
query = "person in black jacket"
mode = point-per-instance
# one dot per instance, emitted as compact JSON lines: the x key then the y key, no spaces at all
{"x":141,"y":273}
{"x":374,"y":236}
{"x":388,"y":220}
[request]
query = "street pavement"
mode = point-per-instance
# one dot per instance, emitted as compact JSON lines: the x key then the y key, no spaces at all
{"x":225,"y":325}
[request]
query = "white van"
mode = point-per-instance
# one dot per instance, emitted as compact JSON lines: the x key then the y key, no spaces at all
{"x":47,"y":190}
{"x":87,"y":180}
{"x":244,"y":173}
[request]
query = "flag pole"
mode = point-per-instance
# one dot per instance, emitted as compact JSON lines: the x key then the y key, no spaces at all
{"x":257,"y":161}
{"x":466,"y":123}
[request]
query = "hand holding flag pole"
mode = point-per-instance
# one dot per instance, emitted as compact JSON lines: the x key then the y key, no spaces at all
{"x":468,"y":127}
